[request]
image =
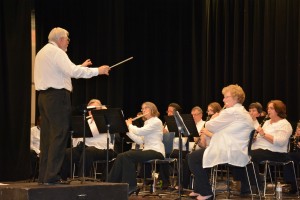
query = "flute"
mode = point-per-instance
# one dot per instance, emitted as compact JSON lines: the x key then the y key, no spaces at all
{"x":139,"y":116}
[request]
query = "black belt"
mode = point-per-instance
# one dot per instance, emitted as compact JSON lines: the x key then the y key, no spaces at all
{"x":54,"y":89}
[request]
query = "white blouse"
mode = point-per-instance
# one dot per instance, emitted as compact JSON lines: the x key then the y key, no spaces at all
{"x":35,"y":139}
{"x":99,"y":140}
{"x":281,"y":131}
{"x":152,"y":135}
{"x":229,"y":142}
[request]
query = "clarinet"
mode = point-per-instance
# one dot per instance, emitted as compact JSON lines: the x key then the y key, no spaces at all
{"x":295,"y":139}
{"x":198,"y":140}
{"x":261,"y":124}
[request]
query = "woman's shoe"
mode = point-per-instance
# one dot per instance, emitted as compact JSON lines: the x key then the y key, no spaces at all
{"x":193,"y":194}
{"x":211,"y":197}
{"x":132,"y":190}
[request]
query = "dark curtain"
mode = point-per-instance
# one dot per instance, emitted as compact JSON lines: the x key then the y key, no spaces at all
{"x":184,"y":51}
{"x":15,"y":88}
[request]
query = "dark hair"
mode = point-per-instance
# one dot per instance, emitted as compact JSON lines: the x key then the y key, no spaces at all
{"x":176,"y":106}
{"x":279,"y":107}
{"x":256,"y":105}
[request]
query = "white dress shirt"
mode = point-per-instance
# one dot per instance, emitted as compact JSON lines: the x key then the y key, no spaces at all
{"x":99,"y":140}
{"x":35,"y":139}
{"x":54,"y":69}
{"x":280,"y":130}
{"x":152,"y":135}
{"x":229,"y":143}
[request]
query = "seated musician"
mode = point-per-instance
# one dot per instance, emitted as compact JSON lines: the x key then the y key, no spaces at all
{"x":294,"y":153}
{"x":95,"y":148}
{"x":271,"y":143}
{"x":255,"y":110}
{"x":124,"y":167}
{"x":229,"y":142}
{"x":199,"y":142}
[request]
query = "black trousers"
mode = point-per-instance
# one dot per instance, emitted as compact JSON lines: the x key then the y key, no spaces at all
{"x":260,"y":155}
{"x":124,"y":167}
{"x":185,"y":171}
{"x":201,"y":184}
{"x":91,"y":154}
{"x":34,"y":159}
{"x":55,"y":111}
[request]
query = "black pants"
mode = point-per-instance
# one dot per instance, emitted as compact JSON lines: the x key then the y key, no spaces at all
{"x":260,"y":155}
{"x":185,"y":171}
{"x":55,"y":110}
{"x":34,"y":159}
{"x":124,"y":167}
{"x":91,"y":154}
{"x":201,"y":184}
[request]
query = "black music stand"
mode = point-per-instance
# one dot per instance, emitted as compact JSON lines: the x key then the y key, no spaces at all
{"x":80,"y":129}
{"x":184,"y":125}
{"x":115,"y":123}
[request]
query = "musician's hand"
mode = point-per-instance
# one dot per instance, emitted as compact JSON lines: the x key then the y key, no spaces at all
{"x":165,"y":130}
{"x":260,"y":131}
{"x":128,"y":121}
{"x":204,"y":131}
{"x":215,"y":115}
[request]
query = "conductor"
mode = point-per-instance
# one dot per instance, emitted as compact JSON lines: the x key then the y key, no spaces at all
{"x":52,"y":76}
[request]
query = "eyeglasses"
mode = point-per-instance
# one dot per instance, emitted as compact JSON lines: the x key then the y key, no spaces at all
{"x":195,"y":114}
{"x":144,"y":108}
{"x":67,"y":38}
{"x":225,"y":97}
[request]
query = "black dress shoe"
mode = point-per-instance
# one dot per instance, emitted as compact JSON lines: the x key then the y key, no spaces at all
{"x":133,"y":189}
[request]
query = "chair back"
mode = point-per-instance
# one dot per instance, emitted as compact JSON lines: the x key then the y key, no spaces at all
{"x":168,"y":142}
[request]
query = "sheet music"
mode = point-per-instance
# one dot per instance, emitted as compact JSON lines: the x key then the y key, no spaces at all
{"x":93,"y":127}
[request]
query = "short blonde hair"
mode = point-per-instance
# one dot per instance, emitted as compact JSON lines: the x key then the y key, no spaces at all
{"x":96,"y":101}
{"x":57,"y":33}
{"x":235,"y":91}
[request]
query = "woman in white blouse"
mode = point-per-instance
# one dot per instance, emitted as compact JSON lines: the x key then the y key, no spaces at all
{"x":124,"y":168}
{"x":231,"y":129}
{"x":272,"y":140}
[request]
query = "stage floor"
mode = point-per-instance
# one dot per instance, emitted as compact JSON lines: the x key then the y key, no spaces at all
{"x":75,"y":190}
{"x":174,"y":194}
{"x":107,"y":191}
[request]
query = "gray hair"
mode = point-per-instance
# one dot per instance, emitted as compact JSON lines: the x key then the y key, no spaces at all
{"x":57,"y":33}
{"x":198,"y":108}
